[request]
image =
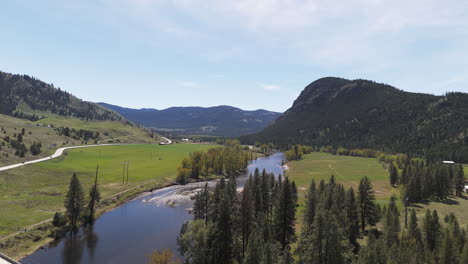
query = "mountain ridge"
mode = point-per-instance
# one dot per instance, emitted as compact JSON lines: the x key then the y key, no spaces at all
{"x":222,"y":120}
{"x":366,"y":114}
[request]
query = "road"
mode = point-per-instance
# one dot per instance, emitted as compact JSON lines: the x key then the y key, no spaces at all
{"x":57,"y":153}
{"x":168,"y":141}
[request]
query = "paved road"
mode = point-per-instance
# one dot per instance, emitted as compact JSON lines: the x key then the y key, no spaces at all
{"x":168,"y":141}
{"x":57,"y":153}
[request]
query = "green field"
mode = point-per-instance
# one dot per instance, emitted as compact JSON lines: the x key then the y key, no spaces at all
{"x":43,"y":131}
{"x":348,"y":171}
{"x":33,"y":193}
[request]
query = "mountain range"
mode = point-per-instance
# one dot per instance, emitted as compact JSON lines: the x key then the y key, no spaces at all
{"x":365,"y":114}
{"x":217,"y":121}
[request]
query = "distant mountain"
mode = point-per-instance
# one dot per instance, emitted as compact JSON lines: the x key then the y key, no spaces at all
{"x":27,"y":97}
{"x":365,"y":114}
{"x":218,"y":120}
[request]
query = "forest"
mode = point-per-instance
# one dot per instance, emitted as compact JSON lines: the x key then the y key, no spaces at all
{"x":339,"y":225}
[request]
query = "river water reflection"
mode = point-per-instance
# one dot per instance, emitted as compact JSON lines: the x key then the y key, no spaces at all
{"x":129,"y":233}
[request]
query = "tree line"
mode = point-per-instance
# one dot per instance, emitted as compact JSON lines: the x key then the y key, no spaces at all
{"x":227,"y":160}
{"x":255,"y":225}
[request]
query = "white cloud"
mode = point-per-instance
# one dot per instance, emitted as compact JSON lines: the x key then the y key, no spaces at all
{"x":270,"y":87}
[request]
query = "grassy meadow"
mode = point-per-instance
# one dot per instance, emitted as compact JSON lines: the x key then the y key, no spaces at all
{"x":33,"y":193}
{"x":40,"y":131}
{"x":348,"y":171}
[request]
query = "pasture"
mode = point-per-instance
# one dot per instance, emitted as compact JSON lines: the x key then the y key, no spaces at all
{"x":33,"y":193}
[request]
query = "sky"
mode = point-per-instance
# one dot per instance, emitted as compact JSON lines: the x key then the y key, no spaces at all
{"x":250,"y":54}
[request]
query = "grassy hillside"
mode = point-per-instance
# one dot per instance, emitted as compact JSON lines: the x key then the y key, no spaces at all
{"x":33,"y":193}
{"x":47,"y":132}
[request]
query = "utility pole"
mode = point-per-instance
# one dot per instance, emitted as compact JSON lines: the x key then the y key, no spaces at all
{"x":123,"y":172}
{"x":128,"y":163}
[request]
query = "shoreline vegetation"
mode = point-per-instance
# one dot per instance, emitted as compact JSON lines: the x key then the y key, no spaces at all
{"x":23,"y":243}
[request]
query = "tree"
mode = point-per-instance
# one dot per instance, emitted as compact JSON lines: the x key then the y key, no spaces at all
{"x":94,"y":197}
{"x":368,"y":211}
{"x":393,"y":174}
{"x":327,"y":243}
{"x":284,"y":215}
{"x":352,"y":219}
{"x":74,"y":201}
{"x":431,"y":230}
{"x":448,"y":253}
{"x":165,"y":256}
{"x":193,"y":242}
{"x":200,"y":206}
{"x":413,"y":229}
{"x":459,"y":180}
{"x":310,"y":204}
{"x":391,"y":222}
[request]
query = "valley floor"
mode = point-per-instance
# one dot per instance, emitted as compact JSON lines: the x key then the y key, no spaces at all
{"x":349,"y":170}
{"x":33,"y":193}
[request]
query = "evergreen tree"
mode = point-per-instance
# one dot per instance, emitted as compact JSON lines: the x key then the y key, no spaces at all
{"x":431,"y":230}
{"x":310,"y":204}
{"x":391,"y":222}
{"x":200,"y":206}
{"x":448,"y":253}
{"x":459,"y":180}
{"x":413,"y":229}
{"x":352,"y":219}
{"x":254,"y":254}
{"x":393,"y":174}
{"x":368,"y":211}
{"x":74,"y":201}
{"x":94,"y":197}
{"x":285,"y":215}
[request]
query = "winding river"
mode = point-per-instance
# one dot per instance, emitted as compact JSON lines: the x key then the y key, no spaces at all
{"x":129,"y":233}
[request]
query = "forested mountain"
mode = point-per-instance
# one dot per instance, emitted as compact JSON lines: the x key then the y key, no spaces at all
{"x":22,"y":96}
{"x":366,"y":114}
{"x":218,"y":120}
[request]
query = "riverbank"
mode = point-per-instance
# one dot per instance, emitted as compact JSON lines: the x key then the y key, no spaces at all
{"x":24,"y":243}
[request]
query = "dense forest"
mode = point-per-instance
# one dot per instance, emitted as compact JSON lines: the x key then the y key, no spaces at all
{"x":19,"y":93}
{"x":364,"y":114}
{"x":257,"y":225}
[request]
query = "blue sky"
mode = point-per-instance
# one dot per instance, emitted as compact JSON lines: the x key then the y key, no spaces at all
{"x":247,"y":53}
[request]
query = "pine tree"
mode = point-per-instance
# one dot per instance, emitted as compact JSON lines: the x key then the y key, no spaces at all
{"x":368,"y":211}
{"x":284,"y":215}
{"x":413,"y":229}
{"x":459,"y":180}
{"x":431,"y":230}
{"x":393,"y":174}
{"x":352,"y":219}
{"x":94,"y":197}
{"x":448,"y":254}
{"x":74,"y":201}
{"x":200,"y":206}
{"x":310,"y":204}
{"x":391,"y":222}
{"x":254,"y":251}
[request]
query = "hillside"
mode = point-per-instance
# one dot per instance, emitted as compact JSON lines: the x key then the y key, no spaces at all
{"x":36,"y":118}
{"x":217,"y":121}
{"x":365,"y":114}
{"x":27,"y":97}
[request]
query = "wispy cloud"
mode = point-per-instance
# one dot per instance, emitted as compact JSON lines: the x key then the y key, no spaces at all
{"x":270,"y":87}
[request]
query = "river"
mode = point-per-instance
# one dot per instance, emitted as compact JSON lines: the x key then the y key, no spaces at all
{"x":129,"y":233}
